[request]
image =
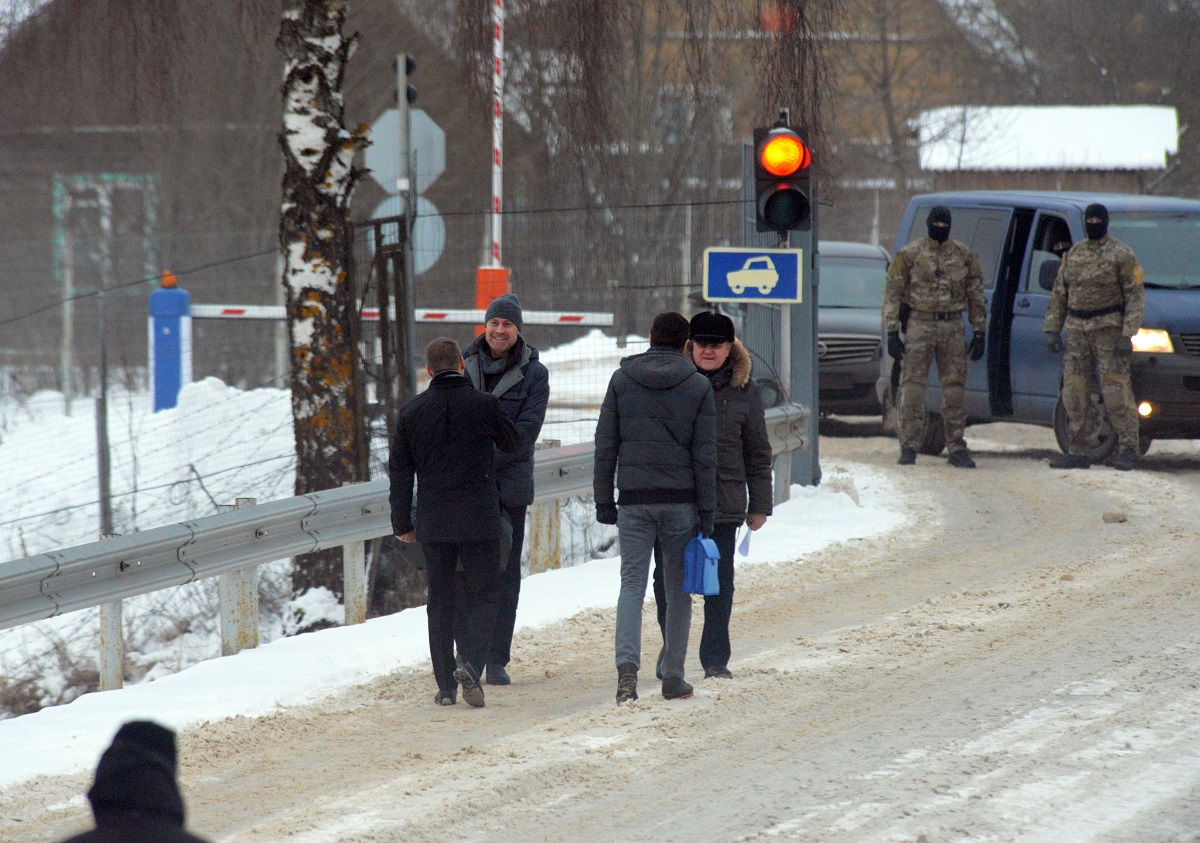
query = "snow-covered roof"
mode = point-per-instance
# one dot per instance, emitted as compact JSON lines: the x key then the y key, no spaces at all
{"x":1109,"y":137}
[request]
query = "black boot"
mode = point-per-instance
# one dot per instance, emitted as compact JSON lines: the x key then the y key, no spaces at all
{"x":472,"y":691}
{"x":675,"y":688}
{"x":908,"y":456}
{"x":961,"y":459}
{"x":627,"y":682}
{"x":1126,"y":460}
{"x":1071,"y":461}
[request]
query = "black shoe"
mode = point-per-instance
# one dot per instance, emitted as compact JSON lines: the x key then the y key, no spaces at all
{"x":627,"y":682}
{"x":676,"y":689}
{"x":961,"y":459}
{"x":1071,"y":461}
{"x":468,"y":677}
{"x":496,"y":674}
{"x":446,"y":698}
{"x":1126,"y":460}
{"x":717,"y":673}
{"x":908,"y":456}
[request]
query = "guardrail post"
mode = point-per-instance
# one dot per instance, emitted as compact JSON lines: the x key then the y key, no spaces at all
{"x":239,"y":601}
{"x":354,"y":579}
{"x":545,"y":528}
{"x":354,"y":584}
{"x":112,"y":647}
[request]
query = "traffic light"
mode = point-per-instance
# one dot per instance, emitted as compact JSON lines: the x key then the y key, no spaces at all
{"x":406,"y":66}
{"x":782,"y":186}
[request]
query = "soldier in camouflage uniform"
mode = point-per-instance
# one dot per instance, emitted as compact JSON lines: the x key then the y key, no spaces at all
{"x":1099,"y":298}
{"x":938,"y":278}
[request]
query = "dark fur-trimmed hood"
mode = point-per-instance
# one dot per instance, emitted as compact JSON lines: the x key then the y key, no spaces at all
{"x":739,"y":363}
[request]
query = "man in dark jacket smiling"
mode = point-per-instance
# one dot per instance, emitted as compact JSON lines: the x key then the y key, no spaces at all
{"x":656,"y":442}
{"x":445,"y":439}
{"x":499,"y":362}
{"x":134,"y":796}
{"x":743,"y":463}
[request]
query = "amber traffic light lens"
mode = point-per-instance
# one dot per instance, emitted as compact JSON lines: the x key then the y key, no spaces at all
{"x":784,"y":155}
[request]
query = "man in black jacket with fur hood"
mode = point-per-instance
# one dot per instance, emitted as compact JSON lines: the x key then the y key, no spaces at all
{"x":743,"y":466}
{"x":656,"y":442}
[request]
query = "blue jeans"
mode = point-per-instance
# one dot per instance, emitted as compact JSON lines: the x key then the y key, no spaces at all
{"x":638,"y":527}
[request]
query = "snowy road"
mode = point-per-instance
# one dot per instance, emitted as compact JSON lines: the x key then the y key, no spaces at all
{"x":1022,"y":668}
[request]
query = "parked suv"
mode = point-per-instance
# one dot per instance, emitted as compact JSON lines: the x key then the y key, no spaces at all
{"x":850,"y":301}
{"x":1018,"y":379}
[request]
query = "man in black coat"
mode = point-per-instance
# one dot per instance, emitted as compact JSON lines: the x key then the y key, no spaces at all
{"x":134,"y":795}
{"x":445,"y":438}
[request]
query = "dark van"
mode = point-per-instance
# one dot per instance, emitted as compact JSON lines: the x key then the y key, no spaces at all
{"x":1018,"y":379}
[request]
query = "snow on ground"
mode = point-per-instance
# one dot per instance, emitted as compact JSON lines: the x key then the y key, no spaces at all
{"x":291,"y":671}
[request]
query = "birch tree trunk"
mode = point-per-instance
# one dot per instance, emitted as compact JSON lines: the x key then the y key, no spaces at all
{"x":316,"y":240}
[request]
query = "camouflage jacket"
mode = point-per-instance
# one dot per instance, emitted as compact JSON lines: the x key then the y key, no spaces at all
{"x":1095,"y":275}
{"x":936,"y":278}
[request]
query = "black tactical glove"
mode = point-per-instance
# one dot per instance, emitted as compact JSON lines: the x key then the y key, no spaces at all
{"x":975,"y":347}
{"x":706,"y":524}
{"x":1124,"y":346}
{"x":895,"y":346}
{"x":1053,"y":342}
{"x":606,"y":513}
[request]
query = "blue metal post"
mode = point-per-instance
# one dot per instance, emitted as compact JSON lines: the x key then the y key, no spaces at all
{"x":170,"y":343}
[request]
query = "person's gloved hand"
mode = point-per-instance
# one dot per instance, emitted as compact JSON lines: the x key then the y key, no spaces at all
{"x":975,"y":347}
{"x":706,"y":524}
{"x":606,"y":513}
{"x":895,"y":346}
{"x":1124,"y":346}
{"x":1053,"y":342}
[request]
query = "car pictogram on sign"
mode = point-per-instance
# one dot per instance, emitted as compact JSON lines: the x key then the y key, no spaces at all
{"x":757,"y":272}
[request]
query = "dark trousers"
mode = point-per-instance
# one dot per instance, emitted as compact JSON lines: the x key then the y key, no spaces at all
{"x":499,"y":648}
{"x":714,"y":641}
{"x":481,"y":587}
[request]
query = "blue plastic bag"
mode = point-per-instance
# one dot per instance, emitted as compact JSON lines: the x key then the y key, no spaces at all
{"x":700,"y":567}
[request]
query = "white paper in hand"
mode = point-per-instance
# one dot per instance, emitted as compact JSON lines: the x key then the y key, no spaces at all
{"x":744,"y":546}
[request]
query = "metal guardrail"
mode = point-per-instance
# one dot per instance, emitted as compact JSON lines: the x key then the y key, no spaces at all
{"x":50,"y":584}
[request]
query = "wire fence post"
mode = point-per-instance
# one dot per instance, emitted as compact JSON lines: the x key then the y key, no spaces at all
{"x":239,"y":601}
{"x":545,"y":528}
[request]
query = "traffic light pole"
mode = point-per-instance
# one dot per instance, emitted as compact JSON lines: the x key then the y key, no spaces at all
{"x":783,"y":465}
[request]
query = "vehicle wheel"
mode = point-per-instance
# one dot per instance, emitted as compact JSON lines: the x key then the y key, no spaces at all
{"x":891,"y":413}
{"x":934,"y":441}
{"x":1102,"y":442}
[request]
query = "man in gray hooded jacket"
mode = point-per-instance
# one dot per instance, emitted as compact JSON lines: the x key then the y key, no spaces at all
{"x":656,"y":442}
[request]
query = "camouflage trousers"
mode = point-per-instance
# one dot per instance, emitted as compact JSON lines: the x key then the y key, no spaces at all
{"x":926,"y":342}
{"x":1083,"y":353}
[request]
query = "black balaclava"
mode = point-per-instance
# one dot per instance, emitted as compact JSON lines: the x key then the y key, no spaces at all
{"x":939,"y":213}
{"x":1096,"y":230}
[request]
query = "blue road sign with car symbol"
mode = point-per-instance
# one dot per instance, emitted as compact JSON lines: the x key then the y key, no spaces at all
{"x":754,"y":275}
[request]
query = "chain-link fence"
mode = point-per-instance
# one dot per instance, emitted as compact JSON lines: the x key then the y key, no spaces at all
{"x":231,"y":434}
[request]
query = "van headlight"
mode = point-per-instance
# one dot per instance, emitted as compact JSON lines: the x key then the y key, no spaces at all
{"x":1152,"y":339}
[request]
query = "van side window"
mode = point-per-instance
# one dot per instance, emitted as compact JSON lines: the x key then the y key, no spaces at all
{"x":1051,"y":232}
{"x":988,"y":242}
